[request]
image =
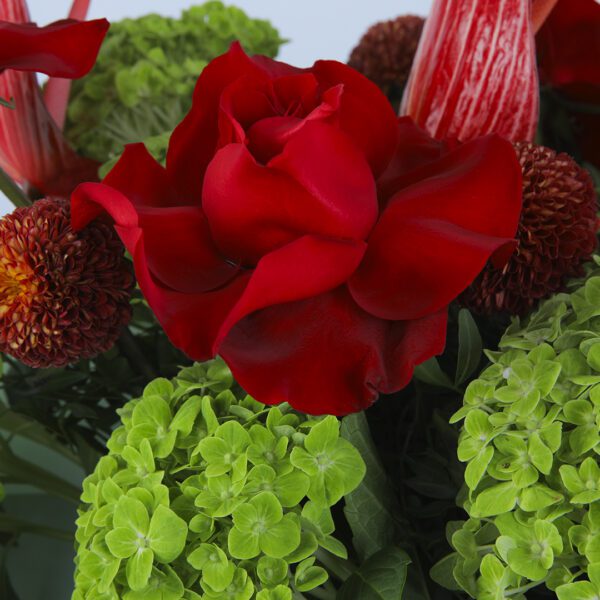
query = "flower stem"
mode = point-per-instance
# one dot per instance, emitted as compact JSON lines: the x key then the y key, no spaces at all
{"x":22,"y":471}
{"x":339,"y":567}
{"x":12,"y":191}
{"x":131,"y":351}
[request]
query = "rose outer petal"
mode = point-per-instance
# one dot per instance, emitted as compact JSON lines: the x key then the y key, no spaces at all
{"x":307,"y":267}
{"x":178,"y":249}
{"x":325,"y":355}
{"x":320,"y":184}
{"x":436,"y":235}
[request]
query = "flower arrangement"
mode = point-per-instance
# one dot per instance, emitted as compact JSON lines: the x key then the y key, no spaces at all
{"x":322,"y":333}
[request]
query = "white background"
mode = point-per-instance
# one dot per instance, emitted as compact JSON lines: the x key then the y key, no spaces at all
{"x":316,"y":28}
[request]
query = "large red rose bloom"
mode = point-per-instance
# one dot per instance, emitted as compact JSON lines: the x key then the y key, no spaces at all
{"x":304,"y":233}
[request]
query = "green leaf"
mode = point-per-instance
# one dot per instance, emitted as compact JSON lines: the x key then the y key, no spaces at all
{"x":538,"y":496}
{"x":381,"y":577}
{"x":470,"y":346}
{"x":495,"y":500}
{"x":442,"y":572}
{"x":272,"y":571}
{"x":167,"y":534}
{"x":139,"y":568}
{"x":430,"y":372}
{"x":308,"y":577}
{"x":369,"y":509}
{"x":540,"y":454}
{"x":580,"y":590}
{"x":477,"y":466}
{"x":122,"y":542}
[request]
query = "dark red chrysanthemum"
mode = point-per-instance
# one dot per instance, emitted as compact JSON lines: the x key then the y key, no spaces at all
{"x":64,"y":295}
{"x":385,"y":54}
{"x":556,"y":236}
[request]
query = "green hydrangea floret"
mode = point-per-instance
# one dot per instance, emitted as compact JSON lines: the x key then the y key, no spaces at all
{"x":142,"y":83}
{"x":206,"y":493}
{"x":531,"y":444}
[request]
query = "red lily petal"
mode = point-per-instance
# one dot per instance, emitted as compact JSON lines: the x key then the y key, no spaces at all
{"x":455,"y":216}
{"x":320,"y":184}
{"x":62,"y":49}
{"x":474,"y":72}
{"x":360,"y":354}
{"x":307,"y":267}
{"x":32,"y":149}
{"x":57,"y":89}
{"x":191,"y":320}
{"x":365,"y":114}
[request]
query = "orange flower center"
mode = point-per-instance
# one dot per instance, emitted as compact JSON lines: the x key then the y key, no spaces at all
{"x":17,"y":283}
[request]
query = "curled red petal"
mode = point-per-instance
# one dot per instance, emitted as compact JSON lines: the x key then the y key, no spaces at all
{"x":62,"y":49}
{"x":142,"y":179}
{"x":306,"y":267}
{"x":191,"y":320}
{"x":436,"y":235}
{"x":365,"y":114}
{"x":475,"y":72}
{"x":325,"y":355}
{"x":320,"y":184}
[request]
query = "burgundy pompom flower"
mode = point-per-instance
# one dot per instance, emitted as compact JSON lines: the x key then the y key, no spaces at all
{"x":556,"y":236}
{"x":63,"y":295}
{"x":385,"y":53}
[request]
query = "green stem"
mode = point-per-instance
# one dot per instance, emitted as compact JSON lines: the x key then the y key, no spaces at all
{"x":12,"y":191}
{"x":25,"y":472}
{"x":339,"y":567}
{"x":322,"y":594}
{"x":522,"y":589}
{"x":131,"y":350}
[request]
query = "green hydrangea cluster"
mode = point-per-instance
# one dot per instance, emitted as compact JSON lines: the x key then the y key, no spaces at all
{"x":531,"y":442}
{"x":142,"y":83}
{"x":208,"y":494}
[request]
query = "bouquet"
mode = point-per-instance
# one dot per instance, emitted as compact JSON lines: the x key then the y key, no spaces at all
{"x":321,"y":333}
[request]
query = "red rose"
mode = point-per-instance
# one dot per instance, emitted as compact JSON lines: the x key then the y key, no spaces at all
{"x":306,"y":234}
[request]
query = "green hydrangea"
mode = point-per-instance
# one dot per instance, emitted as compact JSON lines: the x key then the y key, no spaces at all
{"x":531,"y":443}
{"x":143,"y":80}
{"x":206,"y":493}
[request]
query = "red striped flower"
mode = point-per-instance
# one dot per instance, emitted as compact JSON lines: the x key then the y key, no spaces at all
{"x":32,"y":149}
{"x":475,"y":72}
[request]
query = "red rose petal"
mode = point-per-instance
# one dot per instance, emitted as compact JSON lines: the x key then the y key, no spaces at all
{"x":178,"y":249}
{"x":143,"y":180}
{"x":436,"y":235}
{"x":325,"y":355}
{"x":320,"y":184}
{"x":304,"y":268}
{"x":365,"y":113}
{"x":194,"y":140}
